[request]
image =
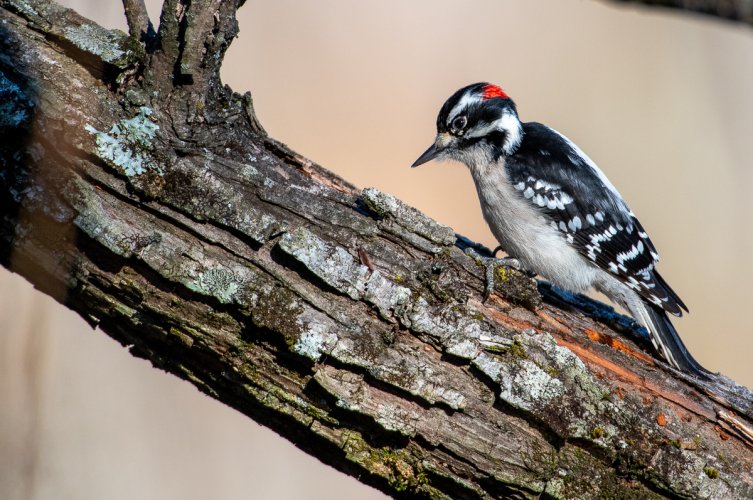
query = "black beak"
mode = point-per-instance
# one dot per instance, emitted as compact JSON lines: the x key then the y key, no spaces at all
{"x":428,"y":155}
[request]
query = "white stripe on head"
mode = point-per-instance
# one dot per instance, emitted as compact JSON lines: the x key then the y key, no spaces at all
{"x":468,"y":99}
{"x":508,"y":123}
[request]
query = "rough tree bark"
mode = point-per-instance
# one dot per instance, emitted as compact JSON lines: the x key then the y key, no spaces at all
{"x":144,"y":195}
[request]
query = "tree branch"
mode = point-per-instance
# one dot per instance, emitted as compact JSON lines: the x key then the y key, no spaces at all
{"x":192,"y":40}
{"x":729,"y":10}
{"x":345,"y":320}
{"x":139,"y":25}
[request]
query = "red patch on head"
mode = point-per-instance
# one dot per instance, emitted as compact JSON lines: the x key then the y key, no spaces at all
{"x":492,"y":91}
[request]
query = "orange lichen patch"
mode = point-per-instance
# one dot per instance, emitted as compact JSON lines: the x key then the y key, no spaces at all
{"x":621,"y":372}
{"x":615,"y":343}
{"x":496,"y":300}
{"x":553,"y":322}
{"x":661,"y":420}
{"x":722,"y":435}
{"x":600,"y":365}
{"x":681,"y":400}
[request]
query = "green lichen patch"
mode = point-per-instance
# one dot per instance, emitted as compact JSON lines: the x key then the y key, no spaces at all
{"x":218,"y":282}
{"x":711,"y":472}
{"x":516,"y":286}
{"x":403,"y":471}
{"x":315,"y":339}
{"x":127,"y":145}
{"x":387,"y":206}
{"x":580,"y":475}
{"x":517,"y":350}
{"x":510,"y":283}
{"x":182,"y":335}
{"x":524,"y":381}
{"x":111,"y":46}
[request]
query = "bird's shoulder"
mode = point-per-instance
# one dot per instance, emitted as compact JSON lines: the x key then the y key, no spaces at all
{"x":550,"y":164}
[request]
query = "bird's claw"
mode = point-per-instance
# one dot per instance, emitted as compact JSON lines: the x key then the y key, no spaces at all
{"x":490,"y":267}
{"x":511,"y":262}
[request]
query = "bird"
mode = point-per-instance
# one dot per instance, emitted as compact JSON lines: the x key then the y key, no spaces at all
{"x":555,"y":213}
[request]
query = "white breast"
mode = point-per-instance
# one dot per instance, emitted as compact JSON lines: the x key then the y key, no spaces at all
{"x":525,"y":234}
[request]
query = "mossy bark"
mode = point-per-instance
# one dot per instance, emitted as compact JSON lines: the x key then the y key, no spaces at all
{"x":144,"y":195}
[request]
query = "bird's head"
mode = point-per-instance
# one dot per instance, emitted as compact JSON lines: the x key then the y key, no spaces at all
{"x":477,"y":123}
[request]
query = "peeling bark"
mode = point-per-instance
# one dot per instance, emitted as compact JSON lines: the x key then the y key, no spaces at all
{"x":144,"y":195}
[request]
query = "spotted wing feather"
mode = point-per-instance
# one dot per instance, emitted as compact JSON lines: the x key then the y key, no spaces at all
{"x":569,"y":189}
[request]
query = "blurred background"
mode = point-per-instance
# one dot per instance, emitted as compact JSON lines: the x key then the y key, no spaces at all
{"x":661,"y":101}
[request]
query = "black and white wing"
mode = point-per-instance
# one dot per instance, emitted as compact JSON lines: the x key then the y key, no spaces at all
{"x":568,"y":188}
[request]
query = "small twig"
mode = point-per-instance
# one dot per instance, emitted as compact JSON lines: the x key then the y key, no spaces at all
{"x":139,"y":25}
{"x":201,"y":16}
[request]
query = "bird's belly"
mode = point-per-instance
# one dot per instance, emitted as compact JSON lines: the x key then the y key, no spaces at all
{"x":525,"y":234}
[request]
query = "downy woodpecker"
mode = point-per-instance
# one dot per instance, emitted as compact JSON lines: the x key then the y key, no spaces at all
{"x":555,"y":212}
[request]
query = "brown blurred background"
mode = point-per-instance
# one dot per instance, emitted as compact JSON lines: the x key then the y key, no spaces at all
{"x":662,"y":102}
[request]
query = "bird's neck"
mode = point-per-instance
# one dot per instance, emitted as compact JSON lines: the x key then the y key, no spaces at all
{"x":513,"y":128}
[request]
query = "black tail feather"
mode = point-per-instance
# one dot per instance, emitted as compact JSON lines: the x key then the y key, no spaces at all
{"x":667,"y":341}
{"x":675,"y":305}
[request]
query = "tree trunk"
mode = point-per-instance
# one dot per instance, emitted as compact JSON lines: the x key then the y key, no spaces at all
{"x":144,"y":195}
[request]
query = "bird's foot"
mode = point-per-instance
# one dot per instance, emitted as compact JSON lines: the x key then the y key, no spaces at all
{"x":490,"y":267}
{"x":512,"y":262}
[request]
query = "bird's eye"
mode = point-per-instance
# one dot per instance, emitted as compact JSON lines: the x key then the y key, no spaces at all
{"x":459,"y":123}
